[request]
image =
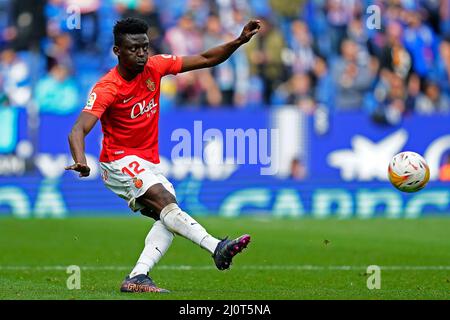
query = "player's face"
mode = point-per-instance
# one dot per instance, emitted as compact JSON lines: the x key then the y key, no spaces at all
{"x":133,"y":52}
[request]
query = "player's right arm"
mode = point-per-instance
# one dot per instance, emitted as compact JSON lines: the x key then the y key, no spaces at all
{"x":101,"y":97}
{"x":84,"y":124}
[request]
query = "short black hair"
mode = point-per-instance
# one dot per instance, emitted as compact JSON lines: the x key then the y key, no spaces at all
{"x":128,"y":26}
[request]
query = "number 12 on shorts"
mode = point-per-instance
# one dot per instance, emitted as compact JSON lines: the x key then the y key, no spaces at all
{"x":135,"y":166}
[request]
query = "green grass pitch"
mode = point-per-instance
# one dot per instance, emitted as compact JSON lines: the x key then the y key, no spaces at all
{"x":287,"y":259}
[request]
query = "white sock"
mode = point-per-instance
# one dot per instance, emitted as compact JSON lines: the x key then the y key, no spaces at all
{"x":157,"y":242}
{"x":183,"y":224}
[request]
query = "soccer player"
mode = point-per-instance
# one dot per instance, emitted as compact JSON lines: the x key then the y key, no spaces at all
{"x":126,"y":100}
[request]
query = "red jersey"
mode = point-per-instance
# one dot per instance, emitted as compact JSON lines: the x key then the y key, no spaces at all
{"x":129,"y":110}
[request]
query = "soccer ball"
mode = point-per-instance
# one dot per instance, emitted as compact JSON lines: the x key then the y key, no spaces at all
{"x":408,"y":172}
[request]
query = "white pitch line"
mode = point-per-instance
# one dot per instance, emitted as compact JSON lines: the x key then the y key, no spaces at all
{"x":248,"y":267}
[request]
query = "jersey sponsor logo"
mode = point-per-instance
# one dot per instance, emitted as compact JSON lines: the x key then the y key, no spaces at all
{"x":150,"y":84}
{"x":91,"y":100}
{"x":141,"y":108}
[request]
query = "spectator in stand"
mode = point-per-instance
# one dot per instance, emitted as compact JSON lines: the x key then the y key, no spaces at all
{"x":147,"y":11}
{"x":14,"y":92}
{"x":323,"y":83}
{"x":265,"y":57}
{"x":59,"y":52}
{"x":197,"y":87}
{"x":339,"y":15}
{"x":444,"y":15}
{"x":239,"y":19}
{"x":57,"y":93}
{"x":298,"y":169}
{"x":301,"y":93}
{"x":15,"y":79}
{"x":241,"y":77}
{"x":184,"y":38}
{"x":441,"y":71}
{"x":413,"y":93}
{"x":394,"y":56}
{"x":297,"y":91}
{"x":352,"y":78}
{"x":231,"y":76}
{"x":314,"y":14}
{"x":212,"y":35}
{"x":201,"y":10}
{"x":392,"y":103}
{"x":233,"y":14}
{"x":393,"y":11}
{"x":300,"y":55}
{"x":421,"y":42}
{"x":431,"y":100}
{"x":357,"y":31}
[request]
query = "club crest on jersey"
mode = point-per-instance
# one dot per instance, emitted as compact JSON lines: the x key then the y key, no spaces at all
{"x":138,"y":183}
{"x":150,"y":84}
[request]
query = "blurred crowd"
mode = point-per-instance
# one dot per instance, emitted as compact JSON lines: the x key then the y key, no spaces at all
{"x":333,"y":54}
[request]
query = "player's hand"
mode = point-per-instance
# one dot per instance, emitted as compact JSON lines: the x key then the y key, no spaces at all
{"x":82,"y":168}
{"x":250,"y":29}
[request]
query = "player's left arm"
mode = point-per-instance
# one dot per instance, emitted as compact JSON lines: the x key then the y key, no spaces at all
{"x":217,"y":55}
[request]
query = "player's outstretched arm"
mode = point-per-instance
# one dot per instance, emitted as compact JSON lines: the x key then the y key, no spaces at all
{"x":214,"y":56}
{"x":81,"y":128}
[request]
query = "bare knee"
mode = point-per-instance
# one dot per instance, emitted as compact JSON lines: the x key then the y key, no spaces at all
{"x":155,"y":199}
{"x":150,"y":212}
